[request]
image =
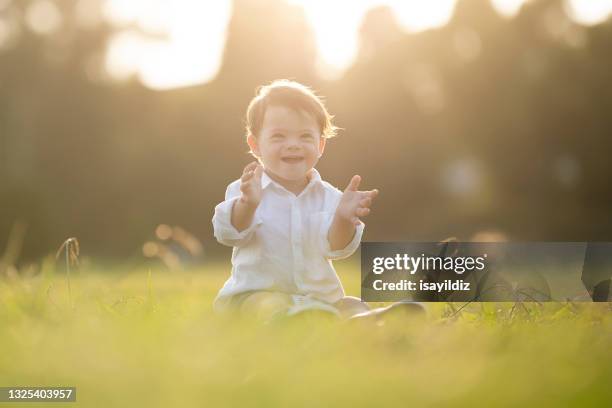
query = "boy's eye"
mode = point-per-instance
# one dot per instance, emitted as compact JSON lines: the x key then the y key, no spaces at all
{"x":277,"y":136}
{"x":307,"y":136}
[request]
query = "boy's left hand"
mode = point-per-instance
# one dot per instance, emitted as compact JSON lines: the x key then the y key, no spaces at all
{"x":354,"y":203}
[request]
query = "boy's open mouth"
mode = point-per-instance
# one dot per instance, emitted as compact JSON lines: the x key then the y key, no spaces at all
{"x":292,"y":159}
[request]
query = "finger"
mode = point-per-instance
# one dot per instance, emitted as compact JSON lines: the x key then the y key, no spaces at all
{"x":246,"y":176}
{"x":362,"y":212}
{"x":372,"y":193}
{"x":355,"y":220}
{"x":354,"y":183}
{"x":247,"y":185}
{"x":366,"y":202}
{"x":258,"y":172}
{"x":250,"y":166}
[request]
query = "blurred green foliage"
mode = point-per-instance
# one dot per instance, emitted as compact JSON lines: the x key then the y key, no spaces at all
{"x":483,"y":124}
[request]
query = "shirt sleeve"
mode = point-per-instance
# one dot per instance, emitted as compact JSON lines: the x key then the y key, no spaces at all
{"x":327,"y":217}
{"x":341,"y":253}
{"x":224,"y":231}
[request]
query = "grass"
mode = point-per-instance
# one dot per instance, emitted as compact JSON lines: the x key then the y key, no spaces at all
{"x":149,"y":338}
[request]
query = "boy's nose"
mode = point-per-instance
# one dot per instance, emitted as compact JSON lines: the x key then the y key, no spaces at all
{"x":293,"y":144}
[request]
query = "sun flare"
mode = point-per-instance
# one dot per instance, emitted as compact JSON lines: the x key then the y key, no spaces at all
{"x":180,"y":43}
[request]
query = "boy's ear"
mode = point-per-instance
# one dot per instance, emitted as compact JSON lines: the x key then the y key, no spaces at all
{"x":252,"y":142}
{"x":322,"y":146}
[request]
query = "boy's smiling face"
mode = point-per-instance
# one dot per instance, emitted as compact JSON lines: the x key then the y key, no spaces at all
{"x":289,"y":144}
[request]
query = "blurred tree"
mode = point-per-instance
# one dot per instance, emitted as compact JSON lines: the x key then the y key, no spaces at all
{"x":485,"y":123}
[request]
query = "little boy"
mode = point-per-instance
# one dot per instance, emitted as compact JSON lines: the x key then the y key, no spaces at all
{"x":284,"y":222}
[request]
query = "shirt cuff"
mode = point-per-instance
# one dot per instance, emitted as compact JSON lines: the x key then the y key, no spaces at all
{"x":348,"y":249}
{"x":225,"y":232}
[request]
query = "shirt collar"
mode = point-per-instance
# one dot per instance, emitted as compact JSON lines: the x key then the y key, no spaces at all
{"x":315,"y":179}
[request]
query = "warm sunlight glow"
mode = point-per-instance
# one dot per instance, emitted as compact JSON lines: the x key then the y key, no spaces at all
{"x":178,"y":43}
{"x":336,"y":26}
{"x":415,"y":15}
{"x":589,"y":12}
{"x":508,"y":8}
{"x":174,"y":43}
{"x":163,"y":63}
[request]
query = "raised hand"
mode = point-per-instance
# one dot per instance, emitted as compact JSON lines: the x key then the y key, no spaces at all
{"x":355,"y":203}
{"x":250,"y":184}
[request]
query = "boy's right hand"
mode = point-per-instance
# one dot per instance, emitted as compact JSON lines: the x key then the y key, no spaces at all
{"x":250,"y":184}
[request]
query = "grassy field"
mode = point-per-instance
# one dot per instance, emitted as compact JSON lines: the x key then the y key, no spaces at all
{"x":137,"y":338}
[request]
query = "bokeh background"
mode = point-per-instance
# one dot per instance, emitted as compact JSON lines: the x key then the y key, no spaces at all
{"x":470,"y":116}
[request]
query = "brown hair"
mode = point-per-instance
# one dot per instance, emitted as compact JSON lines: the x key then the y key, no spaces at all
{"x":283,"y":92}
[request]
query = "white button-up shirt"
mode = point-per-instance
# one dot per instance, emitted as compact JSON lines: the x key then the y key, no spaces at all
{"x":285,"y":248}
